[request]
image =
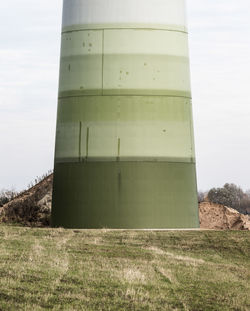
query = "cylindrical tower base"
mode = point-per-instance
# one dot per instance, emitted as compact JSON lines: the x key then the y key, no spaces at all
{"x":124,"y":145}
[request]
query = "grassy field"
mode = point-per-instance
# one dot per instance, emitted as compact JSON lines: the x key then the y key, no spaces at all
{"x":56,"y":269}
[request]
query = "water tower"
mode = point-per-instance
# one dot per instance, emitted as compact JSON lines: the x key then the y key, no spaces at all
{"x":124,"y":153}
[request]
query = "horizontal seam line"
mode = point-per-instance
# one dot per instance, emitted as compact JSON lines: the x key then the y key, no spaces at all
{"x":132,"y":161}
{"x":125,"y":28}
{"x":86,"y":95}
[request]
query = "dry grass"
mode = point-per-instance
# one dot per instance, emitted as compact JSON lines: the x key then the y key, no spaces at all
{"x":57,"y":269}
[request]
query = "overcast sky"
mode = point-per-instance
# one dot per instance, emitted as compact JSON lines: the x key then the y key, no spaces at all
{"x":220,"y":74}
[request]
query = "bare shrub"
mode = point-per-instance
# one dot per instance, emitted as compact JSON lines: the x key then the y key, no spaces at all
{"x":201,"y":196}
{"x":232,"y":196}
{"x":6,"y":196}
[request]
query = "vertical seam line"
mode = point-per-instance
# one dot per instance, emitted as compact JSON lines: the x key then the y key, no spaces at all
{"x":102,"y":58}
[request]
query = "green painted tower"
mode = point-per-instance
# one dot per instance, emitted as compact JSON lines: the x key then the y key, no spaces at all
{"x":124,"y":153}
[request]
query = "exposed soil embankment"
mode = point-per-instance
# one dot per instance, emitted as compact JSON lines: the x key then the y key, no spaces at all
{"x":215,"y":216}
{"x":33,"y":207}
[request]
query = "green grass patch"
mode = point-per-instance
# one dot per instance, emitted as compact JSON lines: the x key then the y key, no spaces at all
{"x":57,"y":269}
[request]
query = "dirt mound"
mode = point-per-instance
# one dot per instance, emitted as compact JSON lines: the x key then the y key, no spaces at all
{"x":31,"y":207}
{"x":215,"y":216}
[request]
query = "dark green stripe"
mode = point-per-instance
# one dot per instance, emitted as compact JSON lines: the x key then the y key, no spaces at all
{"x":131,"y":108}
{"x":125,"y":195}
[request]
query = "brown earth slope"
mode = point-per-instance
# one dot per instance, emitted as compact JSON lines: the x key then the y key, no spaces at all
{"x":33,"y":207}
{"x":220,"y":217}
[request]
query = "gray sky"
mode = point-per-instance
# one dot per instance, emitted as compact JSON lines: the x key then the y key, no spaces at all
{"x":220,"y":74}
